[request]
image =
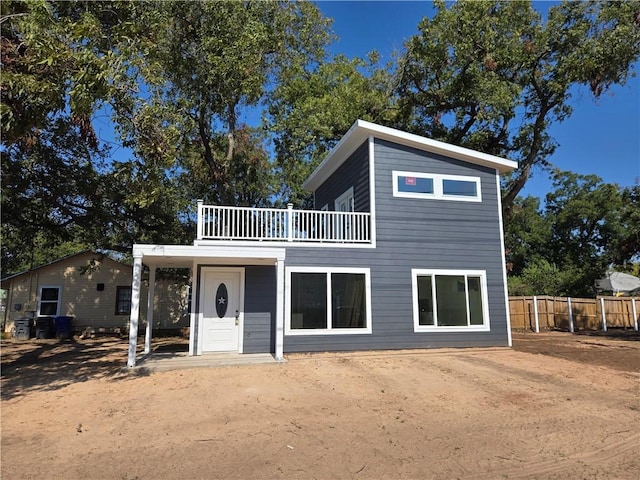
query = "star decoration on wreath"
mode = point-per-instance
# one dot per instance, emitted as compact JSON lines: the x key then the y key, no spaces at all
{"x":221,"y":300}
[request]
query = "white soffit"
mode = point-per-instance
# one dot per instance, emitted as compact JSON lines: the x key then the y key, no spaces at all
{"x":361,"y":130}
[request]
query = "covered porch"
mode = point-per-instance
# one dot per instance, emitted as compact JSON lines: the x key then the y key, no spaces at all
{"x":222,"y":257}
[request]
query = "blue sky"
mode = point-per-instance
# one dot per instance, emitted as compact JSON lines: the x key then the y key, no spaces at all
{"x":601,"y":137}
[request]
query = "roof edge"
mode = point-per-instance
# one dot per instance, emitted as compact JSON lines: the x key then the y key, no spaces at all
{"x":362,"y":129}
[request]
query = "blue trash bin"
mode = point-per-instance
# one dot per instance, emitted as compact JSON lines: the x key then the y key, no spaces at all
{"x":63,"y":327}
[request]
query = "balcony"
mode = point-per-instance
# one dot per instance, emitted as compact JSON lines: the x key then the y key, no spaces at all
{"x":282,"y":225}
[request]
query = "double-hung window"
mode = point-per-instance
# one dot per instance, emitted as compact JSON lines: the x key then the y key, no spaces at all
{"x":327,"y":301}
{"x":123,"y":300}
{"x":436,"y":186}
{"x":49,"y":301}
{"x":449,"y":300}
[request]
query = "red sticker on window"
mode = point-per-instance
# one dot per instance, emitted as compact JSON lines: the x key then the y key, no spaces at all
{"x":409,"y":180}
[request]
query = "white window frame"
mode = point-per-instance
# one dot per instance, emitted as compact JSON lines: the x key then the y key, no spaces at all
{"x":59,"y":302}
{"x":327,"y":331}
{"x":417,"y":328}
{"x":346,"y":196}
{"x":438,"y":193}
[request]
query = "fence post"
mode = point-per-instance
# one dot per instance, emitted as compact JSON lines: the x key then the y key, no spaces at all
{"x":289,"y":222}
{"x":604,"y":316}
{"x":570,"y":314}
{"x":635,"y":314}
{"x":535,"y":313}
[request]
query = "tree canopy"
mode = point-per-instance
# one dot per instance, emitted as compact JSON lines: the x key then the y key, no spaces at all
{"x":236,"y":103}
{"x":585,"y":227}
{"x":493,"y":76}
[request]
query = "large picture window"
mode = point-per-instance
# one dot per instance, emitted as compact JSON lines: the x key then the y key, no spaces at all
{"x":449,"y":300}
{"x":328,"y":301}
{"x":436,"y":186}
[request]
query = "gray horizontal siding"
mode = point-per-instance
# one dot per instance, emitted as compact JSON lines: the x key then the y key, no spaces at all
{"x":259,"y":309}
{"x":352,"y":173}
{"x":416,"y":233}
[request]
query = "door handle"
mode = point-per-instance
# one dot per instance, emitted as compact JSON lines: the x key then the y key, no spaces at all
{"x":237,"y":317}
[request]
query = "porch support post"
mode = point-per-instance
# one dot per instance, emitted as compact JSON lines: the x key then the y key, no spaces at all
{"x":279,"y":309}
{"x":195,"y":286}
{"x":135,"y":308}
{"x":289,"y":222}
{"x":150,"y":302}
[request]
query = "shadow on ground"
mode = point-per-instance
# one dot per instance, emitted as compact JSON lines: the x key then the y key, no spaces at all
{"x":47,"y":365}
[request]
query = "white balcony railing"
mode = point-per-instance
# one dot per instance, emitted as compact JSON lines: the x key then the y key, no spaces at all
{"x":280,"y":224}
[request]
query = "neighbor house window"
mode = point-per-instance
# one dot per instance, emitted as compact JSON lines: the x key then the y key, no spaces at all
{"x":49,"y":301}
{"x":449,"y":300}
{"x":123,"y":300}
{"x":328,"y":301}
{"x":436,"y":186}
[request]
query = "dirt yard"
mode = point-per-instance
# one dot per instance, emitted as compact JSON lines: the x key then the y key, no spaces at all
{"x":556,"y":406}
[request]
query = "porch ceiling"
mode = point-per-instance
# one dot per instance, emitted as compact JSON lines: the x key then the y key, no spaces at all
{"x":184,"y":256}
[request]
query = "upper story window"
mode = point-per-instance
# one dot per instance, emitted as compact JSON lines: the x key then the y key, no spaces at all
{"x":436,"y":186}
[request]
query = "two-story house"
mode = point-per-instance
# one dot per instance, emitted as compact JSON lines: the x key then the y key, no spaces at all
{"x":404,"y":249}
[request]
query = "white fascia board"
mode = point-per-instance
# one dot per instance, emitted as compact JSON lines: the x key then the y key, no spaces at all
{"x":170,"y":255}
{"x":361,"y":129}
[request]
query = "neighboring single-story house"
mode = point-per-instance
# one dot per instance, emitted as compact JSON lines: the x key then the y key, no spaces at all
{"x":93,"y":289}
{"x":619,"y":284}
{"x":404,"y":249}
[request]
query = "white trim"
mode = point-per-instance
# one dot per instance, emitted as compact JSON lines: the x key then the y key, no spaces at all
{"x":279,"y":310}
{"x":346,"y":196}
{"x":417,"y":328}
{"x":232,"y":253}
{"x":136,"y":280}
{"x":361,"y":130}
{"x":438,"y":193}
{"x":504,"y":260}
{"x":249,"y":243}
{"x":372,"y":191}
{"x":194,"y":305}
{"x":328,"y":331}
{"x":58,"y":302}
{"x":151,"y":291}
{"x":239,"y":270}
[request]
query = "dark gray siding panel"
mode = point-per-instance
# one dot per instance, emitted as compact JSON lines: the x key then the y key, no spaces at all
{"x":352,"y":173}
{"x":417,"y":233}
{"x":259,"y":309}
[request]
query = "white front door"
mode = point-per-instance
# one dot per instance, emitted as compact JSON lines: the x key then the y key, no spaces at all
{"x":221,"y":295}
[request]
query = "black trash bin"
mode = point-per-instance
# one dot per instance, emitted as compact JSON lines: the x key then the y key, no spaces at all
{"x":63,"y":327}
{"x":44,"y":327}
{"x":23,"y":328}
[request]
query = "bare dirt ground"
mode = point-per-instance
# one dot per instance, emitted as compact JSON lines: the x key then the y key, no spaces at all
{"x":556,"y":406}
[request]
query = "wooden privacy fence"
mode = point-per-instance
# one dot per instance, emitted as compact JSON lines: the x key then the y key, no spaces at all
{"x":565,"y":313}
